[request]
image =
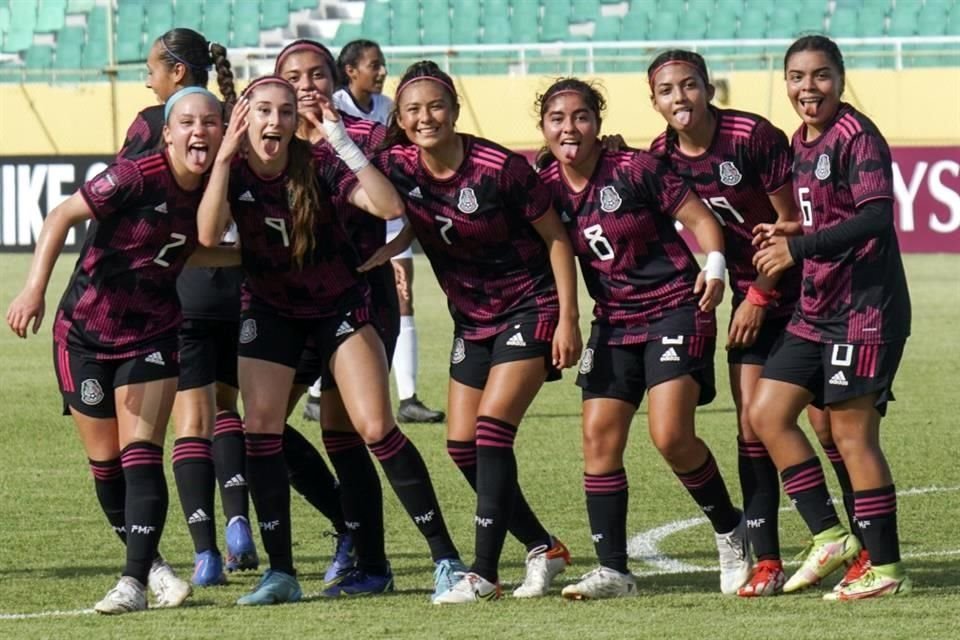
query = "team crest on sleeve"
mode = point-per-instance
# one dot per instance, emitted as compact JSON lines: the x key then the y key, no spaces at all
{"x":823,"y":167}
{"x":459,"y":352}
{"x":105,"y":185}
{"x":586,"y":361}
{"x":248,"y":331}
{"x":729,"y":174}
{"x":91,"y":392}
{"x":610,"y":200}
{"x":467,"y":202}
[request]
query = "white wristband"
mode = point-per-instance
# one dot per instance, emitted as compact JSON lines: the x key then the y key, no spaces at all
{"x":346,"y":148}
{"x":716,"y":266}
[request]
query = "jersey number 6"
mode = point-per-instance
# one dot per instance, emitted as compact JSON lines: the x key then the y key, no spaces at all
{"x":806,"y":207}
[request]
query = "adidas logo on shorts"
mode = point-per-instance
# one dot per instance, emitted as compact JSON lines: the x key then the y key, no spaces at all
{"x":235,"y":481}
{"x":516,"y":340}
{"x":155,"y":358}
{"x":670,"y":355}
{"x":344,"y":329}
{"x":839,"y":379}
{"x":198,"y":516}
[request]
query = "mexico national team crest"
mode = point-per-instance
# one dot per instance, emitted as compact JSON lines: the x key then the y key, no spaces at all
{"x":467,"y":202}
{"x":610,"y":200}
{"x":459,"y":352}
{"x":586,"y":361}
{"x":105,"y":184}
{"x":248,"y":331}
{"x":729,"y":174}
{"x":91,"y":392}
{"x":823,"y":167}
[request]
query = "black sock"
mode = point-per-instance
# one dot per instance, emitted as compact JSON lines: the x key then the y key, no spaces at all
{"x":760,"y":484}
{"x":807,"y":489}
{"x":361,"y":497}
{"x":311,"y":478}
{"x":230,"y":463}
{"x":410,"y":480}
{"x":194,"y":476}
{"x":877,"y":520}
{"x":706,"y":486}
{"x":146,"y":506}
{"x":496,"y":491}
{"x":270,"y":490}
{"x":607,"y":511}
{"x":111,"y":488}
{"x":846,"y":488}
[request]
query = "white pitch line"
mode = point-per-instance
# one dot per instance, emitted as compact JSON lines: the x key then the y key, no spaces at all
{"x":44,"y":614}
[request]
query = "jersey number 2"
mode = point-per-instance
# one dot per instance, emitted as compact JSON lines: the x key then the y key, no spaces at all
{"x":176,"y":240}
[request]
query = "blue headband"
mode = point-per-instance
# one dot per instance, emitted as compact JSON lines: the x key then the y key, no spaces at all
{"x":172,"y":100}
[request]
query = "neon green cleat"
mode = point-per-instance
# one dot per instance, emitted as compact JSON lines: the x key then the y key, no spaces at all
{"x":887,"y":580}
{"x":829,"y":551}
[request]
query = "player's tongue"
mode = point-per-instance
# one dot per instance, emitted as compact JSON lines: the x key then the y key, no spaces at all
{"x":683,"y":117}
{"x":197,"y":154}
{"x":569,"y":150}
{"x":271,"y":144}
{"x":810,"y":108}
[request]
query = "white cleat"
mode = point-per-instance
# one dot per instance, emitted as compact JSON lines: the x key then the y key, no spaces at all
{"x":735,"y":559}
{"x":168,"y":590}
{"x":470,"y":588}
{"x":128,"y":596}
{"x":601,"y":583}
{"x":543,"y":565}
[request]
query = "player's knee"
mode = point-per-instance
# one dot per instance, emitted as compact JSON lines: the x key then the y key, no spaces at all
{"x":675,"y":446}
{"x":601,"y":445}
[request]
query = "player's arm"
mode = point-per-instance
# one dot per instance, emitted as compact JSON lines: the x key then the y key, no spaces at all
{"x":693,"y":214}
{"x":213,"y":215}
{"x":393,"y":248}
{"x":29,"y":304}
{"x":219,"y":256}
{"x":567,"y":342}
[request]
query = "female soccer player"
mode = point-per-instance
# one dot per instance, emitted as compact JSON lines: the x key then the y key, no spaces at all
{"x":300,"y":274}
{"x":740,"y":166}
{"x":362,"y":71}
{"x":846,"y":337}
{"x":209,"y":444}
{"x":501,"y":256}
{"x":115,"y":333}
{"x":654,"y":326}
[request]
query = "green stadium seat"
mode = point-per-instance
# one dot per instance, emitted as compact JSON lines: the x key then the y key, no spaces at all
{"x":51,"y":15}
{"x":844,"y":23}
{"x":465,"y":67}
{"x":635,"y":26}
{"x":932,"y":21}
{"x":159,"y":20}
{"x":376,"y":18}
{"x":555,"y":25}
{"x":903,"y":22}
{"x":80,"y":6}
{"x":496,"y":29}
{"x":723,"y":26}
{"x":39,"y":56}
{"x":437,"y":30}
{"x":23,"y":18}
{"x":297,"y":5}
{"x":498,"y":62}
{"x":97,"y":25}
{"x":783,"y":23}
{"x":4,"y":19}
{"x":462,"y":34}
{"x":606,"y":29}
{"x":94,"y":55}
{"x":493,"y":8}
{"x":129,"y":32}
{"x":953,"y":23}
{"x":647,"y":8}
{"x":346,"y":32}
{"x":813,"y":22}
{"x":69,"y":48}
{"x":584,"y":10}
{"x":188,"y":14}
{"x":272,"y":14}
{"x":753,"y":24}
{"x":246,"y":28}
{"x":728,"y":8}
{"x":216,"y":21}
{"x":664,"y":26}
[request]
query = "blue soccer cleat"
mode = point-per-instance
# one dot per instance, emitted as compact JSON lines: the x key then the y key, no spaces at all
{"x":448,"y":572}
{"x":344,"y":560}
{"x":241,"y":550}
{"x":275,"y":587}
{"x":208,"y":569}
{"x":360,"y":583}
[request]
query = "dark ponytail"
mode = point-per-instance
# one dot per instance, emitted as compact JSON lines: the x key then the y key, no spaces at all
{"x":818,"y":43}
{"x":689,"y":58}
{"x":423,"y":70}
{"x":350,"y":55}
{"x":591,"y":97}
{"x":189,"y":48}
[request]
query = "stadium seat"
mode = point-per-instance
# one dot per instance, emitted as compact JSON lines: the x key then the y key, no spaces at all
{"x":844,"y":23}
{"x":723,"y":25}
{"x":346,"y":32}
{"x":159,"y":20}
{"x":129,"y":32}
{"x":69,"y":48}
{"x":752,"y":25}
{"x":272,"y":14}
{"x":80,"y":6}
{"x":39,"y":56}
{"x":635,"y":26}
{"x":51,"y":15}
{"x":664,"y":26}
{"x":94,"y":55}
{"x":728,"y":8}
{"x":555,"y":26}
{"x":216,"y":21}
{"x":4,"y":20}
{"x":903,"y":22}
{"x":584,"y":10}
{"x":606,"y":28}
{"x":496,"y":29}
{"x":246,"y":24}
{"x":437,"y":29}
{"x":523,"y":23}
{"x":932,"y":21}
{"x":23,"y":18}
{"x":693,"y":25}
{"x":296,"y":5}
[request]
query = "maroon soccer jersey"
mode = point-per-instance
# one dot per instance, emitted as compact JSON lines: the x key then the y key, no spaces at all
{"x":122,"y":298}
{"x":476,"y":230}
{"x":145,"y":134}
{"x":858,"y":296}
{"x":327,"y":283}
{"x":637,"y":268}
{"x":747,"y":160}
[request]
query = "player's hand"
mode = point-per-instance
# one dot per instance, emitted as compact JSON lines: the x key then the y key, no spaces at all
{"x":317,"y":132}
{"x":236,"y":135}
{"x":613,"y":143}
{"x":28,"y":305}
{"x":330,"y":112}
{"x":764,"y":231}
{"x":567,"y":343}
{"x":401,"y":282}
{"x":712,"y":292}
{"x":745,"y":325}
{"x":774,"y":257}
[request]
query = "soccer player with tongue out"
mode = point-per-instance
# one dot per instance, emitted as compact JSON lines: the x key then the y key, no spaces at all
{"x":846,"y":337}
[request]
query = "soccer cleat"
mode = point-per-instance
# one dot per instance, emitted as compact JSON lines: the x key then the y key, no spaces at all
{"x":855,"y":569}
{"x":830,"y":549}
{"x":128,"y":596}
{"x":767,"y":580}
{"x":601,"y":583}
{"x":543,"y":565}
{"x":208,"y":569}
{"x":168,"y":590}
{"x":344,"y":559}
{"x":311,"y":410}
{"x":412,"y":410}
{"x":241,"y":550}
{"x":735,"y":558}
{"x":360,"y":583}
{"x":876,"y":582}
{"x":446,"y":574}
{"x":471,"y":588}
{"x":275,"y":587}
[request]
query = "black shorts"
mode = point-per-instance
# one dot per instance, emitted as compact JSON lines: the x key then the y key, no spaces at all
{"x":836,"y":372}
{"x":386,"y":320}
{"x":770,"y":332}
{"x":471,"y":360}
{"x":87,"y":383}
{"x":625,"y":372}
{"x":274,"y":338}
{"x":208,"y":353}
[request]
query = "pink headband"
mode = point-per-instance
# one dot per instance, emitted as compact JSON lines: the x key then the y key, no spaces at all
{"x":305,"y":46}
{"x":266,"y":80}
{"x":653,"y":74}
{"x":565,"y":91}
{"x":439,"y":81}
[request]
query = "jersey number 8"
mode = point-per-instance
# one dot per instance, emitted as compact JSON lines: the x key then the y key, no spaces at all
{"x":598,"y":244}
